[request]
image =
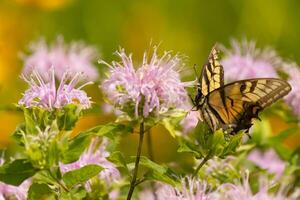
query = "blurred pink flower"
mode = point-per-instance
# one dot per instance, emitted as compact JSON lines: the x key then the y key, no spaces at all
{"x":75,"y":57}
{"x":190,"y":189}
{"x":96,"y":155}
{"x":293,"y":98}
{"x":190,"y":121}
{"x":244,"y":61}
{"x":268,"y":160}
{"x":154,"y":87}
{"x":45,"y":94}
{"x":14,"y":192}
{"x":229,"y":191}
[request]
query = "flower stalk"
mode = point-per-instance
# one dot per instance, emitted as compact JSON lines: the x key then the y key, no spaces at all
{"x":205,"y":159}
{"x":137,"y":160}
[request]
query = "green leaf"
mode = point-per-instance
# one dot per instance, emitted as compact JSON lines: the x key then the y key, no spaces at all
{"x":81,"y":175}
{"x":45,"y":177}
{"x":17,"y":135}
{"x":39,"y":191}
{"x":118,"y":159}
{"x":187,"y":147}
{"x":202,"y":134}
{"x":79,"y":143}
{"x":16,"y":172}
{"x":158,"y":172}
{"x":30,"y":123}
{"x":171,"y":123}
{"x":68,"y":116}
{"x":111,"y":130}
{"x":233,"y":144}
{"x":74,"y":194}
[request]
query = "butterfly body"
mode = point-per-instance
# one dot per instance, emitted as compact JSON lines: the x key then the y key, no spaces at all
{"x":233,"y":106}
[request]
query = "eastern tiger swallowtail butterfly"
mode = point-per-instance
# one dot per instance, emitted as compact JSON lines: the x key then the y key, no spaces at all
{"x":233,"y":106}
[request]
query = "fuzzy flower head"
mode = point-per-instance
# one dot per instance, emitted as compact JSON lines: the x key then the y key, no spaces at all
{"x":76,"y":57}
{"x":229,"y":191}
{"x":191,"y":189}
{"x":293,"y":98}
{"x":244,"y":61}
{"x":47,"y":95}
{"x":152,"y":88}
{"x":268,"y":160}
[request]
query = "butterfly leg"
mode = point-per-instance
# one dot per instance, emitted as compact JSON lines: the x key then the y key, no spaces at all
{"x":192,"y":99}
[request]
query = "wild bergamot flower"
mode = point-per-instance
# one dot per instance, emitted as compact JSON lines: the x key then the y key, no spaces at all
{"x":244,"y":60}
{"x":152,"y":87}
{"x":75,"y":57}
{"x":45,"y":93}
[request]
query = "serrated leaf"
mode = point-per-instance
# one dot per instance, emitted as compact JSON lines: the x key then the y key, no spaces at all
{"x":16,"y":172}
{"x":81,"y":175}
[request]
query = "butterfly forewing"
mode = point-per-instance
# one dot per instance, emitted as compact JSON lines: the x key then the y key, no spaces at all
{"x":235,"y":100}
{"x":212,"y":74}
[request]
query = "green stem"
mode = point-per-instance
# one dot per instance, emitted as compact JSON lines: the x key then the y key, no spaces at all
{"x":137,"y":160}
{"x":205,"y":159}
{"x":58,"y":181}
{"x":151,"y":156}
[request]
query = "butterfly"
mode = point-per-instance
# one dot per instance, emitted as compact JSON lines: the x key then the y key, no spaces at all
{"x":232,"y":107}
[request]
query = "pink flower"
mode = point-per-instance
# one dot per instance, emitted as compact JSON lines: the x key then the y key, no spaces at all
{"x":14,"y":192}
{"x":190,"y":189}
{"x":293,"y":98}
{"x":96,"y":155}
{"x":45,"y":94}
{"x":229,"y":191}
{"x":152,"y":88}
{"x":268,"y":160}
{"x":244,"y":61}
{"x":75,"y":57}
{"x":190,"y":121}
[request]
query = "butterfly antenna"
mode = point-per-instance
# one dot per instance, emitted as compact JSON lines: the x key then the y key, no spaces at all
{"x":195,"y":70}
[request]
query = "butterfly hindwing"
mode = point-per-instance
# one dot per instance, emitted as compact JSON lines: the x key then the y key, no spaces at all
{"x":241,"y":101}
{"x":212,"y":74}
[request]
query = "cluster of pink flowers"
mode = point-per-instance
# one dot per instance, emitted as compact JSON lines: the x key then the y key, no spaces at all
{"x":243,"y":61}
{"x":268,"y":160}
{"x":190,"y":189}
{"x":44,"y":93}
{"x":293,"y":98}
{"x":96,"y":154}
{"x":76,"y":57}
{"x":153,"y":87}
{"x":194,"y":189}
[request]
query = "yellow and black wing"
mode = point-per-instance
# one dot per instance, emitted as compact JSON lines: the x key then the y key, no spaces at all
{"x":238,"y":102}
{"x":212,"y":74}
